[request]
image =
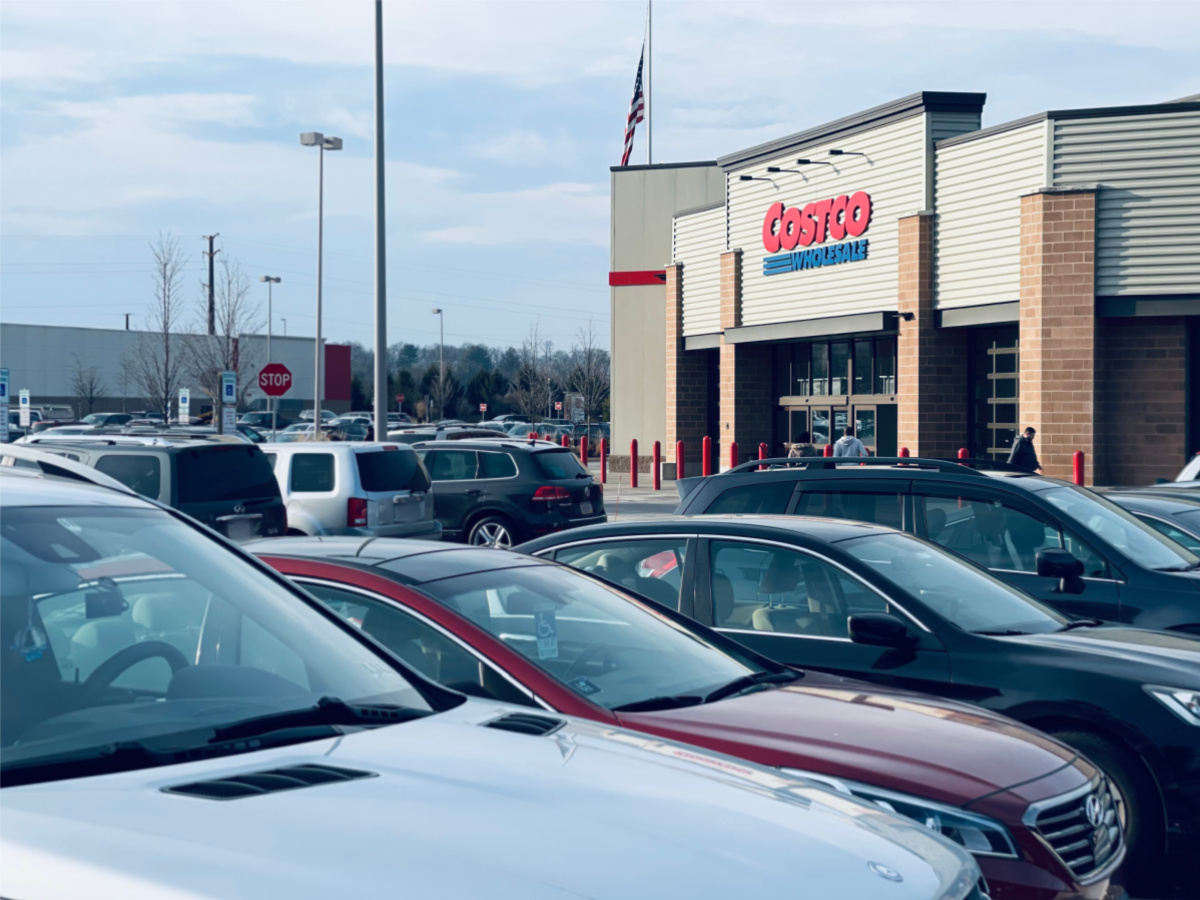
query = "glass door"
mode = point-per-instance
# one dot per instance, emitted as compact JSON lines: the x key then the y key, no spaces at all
{"x":866,"y":428}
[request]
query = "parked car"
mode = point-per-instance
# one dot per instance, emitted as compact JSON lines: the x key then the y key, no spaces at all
{"x":298,"y":431}
{"x":1005,"y":521}
{"x":15,"y":429}
{"x":263,"y":420}
{"x":870,"y":602}
{"x":1190,"y":472}
{"x":106,"y":419}
{"x":511,"y":417}
{"x":149,"y":415}
{"x":179,"y":720}
{"x":438,"y":433}
{"x":59,"y":411}
{"x":520,"y":630}
{"x":326,"y":415}
{"x":40,"y":425}
{"x":498,"y":493}
{"x":226,"y":484}
{"x":380,"y":490}
{"x":1175,"y":514}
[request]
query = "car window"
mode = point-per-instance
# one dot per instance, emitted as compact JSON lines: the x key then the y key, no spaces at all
{"x":226,"y":472}
{"x":312,"y":472}
{"x":559,"y":464}
{"x":1178,"y":535}
{"x":762,"y":588}
{"x":391,"y":470}
{"x":420,"y":645}
{"x":997,"y":536}
{"x":271,"y":457}
{"x":142,"y":473}
{"x":497,"y":465}
{"x":453,"y":465}
{"x":650,"y":567}
{"x":959,"y":592}
{"x":767,"y":498}
{"x":880,"y":508}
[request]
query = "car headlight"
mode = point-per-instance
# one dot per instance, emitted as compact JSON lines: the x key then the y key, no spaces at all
{"x":977,"y":833}
{"x":1184,"y":702}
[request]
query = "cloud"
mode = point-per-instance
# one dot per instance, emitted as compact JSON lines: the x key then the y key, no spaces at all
{"x":516,"y":146}
{"x":552,"y":214}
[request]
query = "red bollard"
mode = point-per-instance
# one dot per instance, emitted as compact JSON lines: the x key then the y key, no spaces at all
{"x":566,"y":441}
{"x":762,"y":454}
{"x":963,"y":453}
{"x":733,"y":454}
{"x":1079,"y":467}
{"x":603,"y":461}
{"x":904,"y":452}
{"x":583,"y":450}
{"x":828,"y":450}
{"x":706,"y":456}
{"x":633,"y":463}
{"x":679,"y":460}
{"x":533,"y":436}
{"x":656,"y":462}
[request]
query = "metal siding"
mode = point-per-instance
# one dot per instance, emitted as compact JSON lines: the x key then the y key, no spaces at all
{"x":1147,"y":172}
{"x":699,"y":243}
{"x":893,"y":173}
{"x":944,"y":125}
{"x":977,"y":227}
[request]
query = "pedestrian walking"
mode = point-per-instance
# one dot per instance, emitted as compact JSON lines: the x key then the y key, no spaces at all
{"x":849,"y":445}
{"x":803,"y":446}
{"x":1023,"y":455}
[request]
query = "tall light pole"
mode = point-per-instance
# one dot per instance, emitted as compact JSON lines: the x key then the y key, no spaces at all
{"x":284,"y":321}
{"x":437,"y":311}
{"x":316,"y":139}
{"x":271,"y":280}
{"x":381,"y":367}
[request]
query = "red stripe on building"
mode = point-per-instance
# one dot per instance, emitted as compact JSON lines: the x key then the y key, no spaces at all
{"x":628,"y":279}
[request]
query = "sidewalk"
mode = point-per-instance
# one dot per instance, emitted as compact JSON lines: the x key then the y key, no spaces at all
{"x":624,"y":503}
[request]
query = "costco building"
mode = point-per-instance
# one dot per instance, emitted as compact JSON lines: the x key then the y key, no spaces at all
{"x":933,"y":284}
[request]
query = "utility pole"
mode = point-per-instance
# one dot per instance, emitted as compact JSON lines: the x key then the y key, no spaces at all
{"x":127,"y":315}
{"x":212,"y":306}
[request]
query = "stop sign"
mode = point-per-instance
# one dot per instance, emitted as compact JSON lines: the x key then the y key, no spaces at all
{"x":275,"y":379}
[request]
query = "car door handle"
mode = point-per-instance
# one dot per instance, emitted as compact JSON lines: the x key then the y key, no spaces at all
{"x":474,"y":491}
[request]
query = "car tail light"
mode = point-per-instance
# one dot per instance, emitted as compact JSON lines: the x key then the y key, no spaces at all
{"x":356,"y":511}
{"x":549,"y":493}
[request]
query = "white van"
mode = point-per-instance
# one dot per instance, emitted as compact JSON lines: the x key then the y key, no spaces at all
{"x":372,"y":489}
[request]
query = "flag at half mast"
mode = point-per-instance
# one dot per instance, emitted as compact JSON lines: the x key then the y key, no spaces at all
{"x":637,"y":110}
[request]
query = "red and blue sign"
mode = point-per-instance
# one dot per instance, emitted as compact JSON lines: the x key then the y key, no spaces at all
{"x":834,"y":219}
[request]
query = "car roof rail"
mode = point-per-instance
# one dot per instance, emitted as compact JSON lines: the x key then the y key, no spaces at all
{"x":818,"y":463}
{"x":985,"y":465}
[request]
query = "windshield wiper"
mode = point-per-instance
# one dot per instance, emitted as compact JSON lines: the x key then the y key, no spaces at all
{"x":1081,"y":623}
{"x":327,"y":711}
{"x":1190,"y":567}
{"x":652,"y":704}
{"x":748,"y":682}
{"x":1004,"y":632}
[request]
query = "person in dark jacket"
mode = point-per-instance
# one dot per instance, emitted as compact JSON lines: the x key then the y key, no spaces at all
{"x":1023,"y":454}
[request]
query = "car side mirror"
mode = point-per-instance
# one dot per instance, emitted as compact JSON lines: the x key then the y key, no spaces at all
{"x":878,"y":630}
{"x":1062,"y":565}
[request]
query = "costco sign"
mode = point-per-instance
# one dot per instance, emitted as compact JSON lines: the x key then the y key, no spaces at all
{"x":834,"y":219}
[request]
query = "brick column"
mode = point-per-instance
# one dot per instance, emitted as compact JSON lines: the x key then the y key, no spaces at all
{"x":931,"y":362}
{"x":1058,"y":325}
{"x":686,"y":384}
{"x":746,"y":401}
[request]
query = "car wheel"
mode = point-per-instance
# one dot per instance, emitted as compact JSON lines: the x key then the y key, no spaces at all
{"x":492,"y":531}
{"x":1138,"y":803}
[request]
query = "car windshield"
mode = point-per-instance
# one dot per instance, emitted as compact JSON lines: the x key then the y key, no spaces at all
{"x":123,"y":624}
{"x":952,"y":587}
{"x":603,"y":645}
{"x":1122,"y":530}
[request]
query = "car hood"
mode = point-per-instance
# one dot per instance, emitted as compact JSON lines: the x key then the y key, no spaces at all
{"x":458,"y":810}
{"x":1159,"y":657}
{"x":934,"y":748}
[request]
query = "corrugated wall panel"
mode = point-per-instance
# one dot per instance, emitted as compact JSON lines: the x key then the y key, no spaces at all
{"x":892,"y":172}
{"x":699,"y":243}
{"x":943,"y":125}
{"x":977,"y":230}
{"x":1147,"y":169}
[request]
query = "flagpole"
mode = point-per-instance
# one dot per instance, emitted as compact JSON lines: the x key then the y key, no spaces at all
{"x":649,"y":82}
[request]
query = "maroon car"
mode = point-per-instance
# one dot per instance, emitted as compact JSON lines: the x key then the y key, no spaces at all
{"x":497,"y":624}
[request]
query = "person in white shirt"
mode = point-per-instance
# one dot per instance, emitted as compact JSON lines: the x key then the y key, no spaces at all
{"x":849,"y":445}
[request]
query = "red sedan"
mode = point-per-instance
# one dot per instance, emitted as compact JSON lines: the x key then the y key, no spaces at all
{"x":497,"y":624}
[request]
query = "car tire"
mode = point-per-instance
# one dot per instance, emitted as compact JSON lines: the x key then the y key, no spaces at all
{"x":1145,"y":834}
{"x":493,"y":531}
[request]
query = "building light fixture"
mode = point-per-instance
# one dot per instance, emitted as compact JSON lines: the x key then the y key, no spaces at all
{"x":774,"y":169}
{"x":845,"y":153}
{"x":752,"y":178}
{"x":813,"y":162}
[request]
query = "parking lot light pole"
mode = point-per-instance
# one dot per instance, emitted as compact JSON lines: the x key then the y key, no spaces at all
{"x":323,"y":143}
{"x":437,"y":311}
{"x":271,"y":280}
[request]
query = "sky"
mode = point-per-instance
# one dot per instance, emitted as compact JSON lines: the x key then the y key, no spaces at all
{"x":123,"y":121}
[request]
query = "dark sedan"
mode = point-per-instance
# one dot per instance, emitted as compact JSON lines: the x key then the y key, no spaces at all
{"x":870,"y":602}
{"x":1174,"y":514}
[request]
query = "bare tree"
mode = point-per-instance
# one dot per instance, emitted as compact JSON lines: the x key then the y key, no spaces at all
{"x":207,"y":356}
{"x":533,"y":384}
{"x":156,"y":366}
{"x":87,"y":385}
{"x":590,"y":374}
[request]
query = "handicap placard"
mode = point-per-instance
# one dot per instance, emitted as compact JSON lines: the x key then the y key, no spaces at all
{"x":545,"y":626}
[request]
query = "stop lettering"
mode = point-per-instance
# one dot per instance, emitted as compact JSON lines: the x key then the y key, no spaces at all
{"x":274,"y":379}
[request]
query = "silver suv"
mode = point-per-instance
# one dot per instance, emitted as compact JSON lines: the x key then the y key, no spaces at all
{"x":372,"y":489}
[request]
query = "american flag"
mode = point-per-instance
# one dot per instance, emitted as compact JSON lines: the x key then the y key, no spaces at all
{"x":637,"y":110}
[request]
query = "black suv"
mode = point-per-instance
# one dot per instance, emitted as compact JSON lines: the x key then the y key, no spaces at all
{"x":499,"y":493}
{"x":1115,"y":567}
{"x":226,"y":484}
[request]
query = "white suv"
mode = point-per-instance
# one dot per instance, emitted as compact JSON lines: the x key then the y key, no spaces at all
{"x":372,"y":489}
